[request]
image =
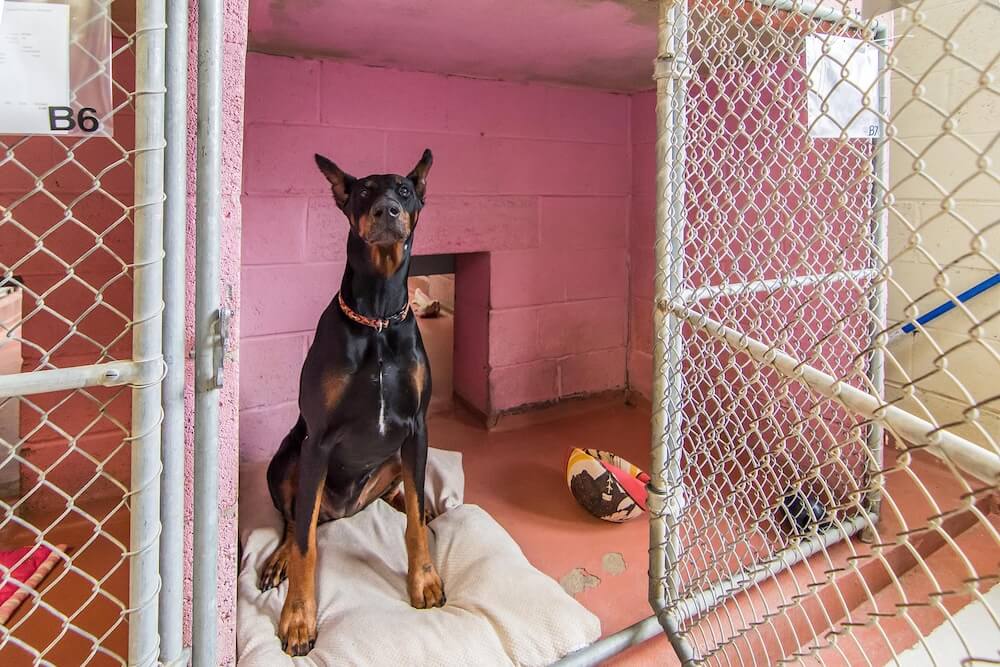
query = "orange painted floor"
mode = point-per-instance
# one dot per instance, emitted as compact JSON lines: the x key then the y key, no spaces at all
{"x":518,"y":474}
{"x":87,"y":595}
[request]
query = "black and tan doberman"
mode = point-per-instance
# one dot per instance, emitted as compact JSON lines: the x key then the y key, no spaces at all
{"x":363,"y":396}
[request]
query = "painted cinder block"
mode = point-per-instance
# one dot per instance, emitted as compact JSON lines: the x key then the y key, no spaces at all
{"x":643,"y":169}
{"x":478,"y":165}
{"x":513,"y":336}
{"x":274,"y":230}
{"x":583,"y":222}
{"x":267,"y":307}
{"x":282,"y":89}
{"x":358,"y":96}
{"x":642,"y":123}
{"x":523,"y":384}
{"x":592,"y":372}
{"x":471,"y":358}
{"x":263,"y":428}
{"x":270,"y":368}
{"x":641,"y":325}
{"x":525,"y":278}
{"x":582,"y":326}
{"x":466,"y":224}
{"x":327,"y":229}
{"x":279,"y":158}
{"x":594,"y":273}
{"x":640,"y":372}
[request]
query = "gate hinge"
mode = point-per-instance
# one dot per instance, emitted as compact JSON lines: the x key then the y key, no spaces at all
{"x":222,"y":323}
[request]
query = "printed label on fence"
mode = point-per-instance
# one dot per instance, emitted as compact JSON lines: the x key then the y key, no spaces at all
{"x":843,"y":90}
{"x":34,"y":66}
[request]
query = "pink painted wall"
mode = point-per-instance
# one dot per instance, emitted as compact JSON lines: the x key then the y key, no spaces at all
{"x":530,"y":182}
{"x":642,"y":236}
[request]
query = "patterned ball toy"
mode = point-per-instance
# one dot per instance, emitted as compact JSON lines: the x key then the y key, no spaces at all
{"x":606,"y":485}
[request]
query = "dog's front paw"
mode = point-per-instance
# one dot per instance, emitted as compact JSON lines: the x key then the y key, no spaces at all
{"x":425,"y":587}
{"x":297,"y":628}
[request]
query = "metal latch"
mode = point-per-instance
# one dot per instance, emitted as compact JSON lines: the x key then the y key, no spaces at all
{"x":222,"y":322}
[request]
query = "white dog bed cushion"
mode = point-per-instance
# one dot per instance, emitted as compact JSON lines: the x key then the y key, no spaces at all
{"x":500,"y":609}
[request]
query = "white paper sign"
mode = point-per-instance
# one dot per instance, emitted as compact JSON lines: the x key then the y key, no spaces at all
{"x":840,"y":79}
{"x":34,"y":65}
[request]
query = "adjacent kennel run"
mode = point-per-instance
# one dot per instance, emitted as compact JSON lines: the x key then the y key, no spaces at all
{"x":824,"y":323}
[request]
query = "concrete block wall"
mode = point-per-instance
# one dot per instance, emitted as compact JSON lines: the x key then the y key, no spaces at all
{"x":642,"y":236}
{"x":946,"y":206}
{"x":530,"y":189}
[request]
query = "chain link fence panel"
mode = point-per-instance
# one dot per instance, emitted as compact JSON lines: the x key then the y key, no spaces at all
{"x":826,"y":411}
{"x":80,"y":255}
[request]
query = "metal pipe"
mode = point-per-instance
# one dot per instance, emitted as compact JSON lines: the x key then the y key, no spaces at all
{"x":947,"y":306}
{"x":174,"y":309}
{"x":753,"y":286}
{"x":671,"y":72}
{"x":817,"y":12}
{"x":111,"y":374}
{"x":878,"y":299}
{"x":207,"y":308}
{"x":614,"y":644}
{"x":967,"y":456}
{"x":147,"y":302}
{"x":698,"y":603}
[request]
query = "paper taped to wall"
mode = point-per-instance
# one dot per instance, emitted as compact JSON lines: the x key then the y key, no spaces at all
{"x":34,"y":65}
{"x":843,"y":94}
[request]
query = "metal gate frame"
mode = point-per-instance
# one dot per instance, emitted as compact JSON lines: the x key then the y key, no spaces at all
{"x":673,"y":310}
{"x":146,"y":369}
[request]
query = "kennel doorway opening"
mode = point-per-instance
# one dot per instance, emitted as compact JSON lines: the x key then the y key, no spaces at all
{"x":432,"y":297}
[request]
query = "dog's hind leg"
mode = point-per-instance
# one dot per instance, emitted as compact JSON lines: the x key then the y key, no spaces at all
{"x":422,"y":581}
{"x":282,"y":475}
{"x":297,"y":625}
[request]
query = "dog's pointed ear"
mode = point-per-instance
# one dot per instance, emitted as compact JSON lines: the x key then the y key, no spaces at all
{"x":419,"y":173}
{"x":340,"y":181}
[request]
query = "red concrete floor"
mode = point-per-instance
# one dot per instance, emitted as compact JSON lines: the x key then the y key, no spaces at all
{"x":518,"y":474}
{"x":80,"y":594}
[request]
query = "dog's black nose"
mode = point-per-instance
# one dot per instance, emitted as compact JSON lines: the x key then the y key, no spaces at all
{"x":391,"y":209}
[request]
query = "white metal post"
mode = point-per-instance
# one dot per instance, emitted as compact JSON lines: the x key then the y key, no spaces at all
{"x":207,"y":333}
{"x":147,"y":332}
{"x":174,"y":307}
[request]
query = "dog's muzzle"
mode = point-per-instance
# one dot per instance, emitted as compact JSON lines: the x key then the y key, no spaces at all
{"x":390,"y":222}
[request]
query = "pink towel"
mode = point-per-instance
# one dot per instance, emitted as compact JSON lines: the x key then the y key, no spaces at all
{"x":29,"y":571}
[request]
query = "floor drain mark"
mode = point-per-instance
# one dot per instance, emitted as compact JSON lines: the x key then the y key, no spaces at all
{"x":578,"y":580}
{"x":613,"y":563}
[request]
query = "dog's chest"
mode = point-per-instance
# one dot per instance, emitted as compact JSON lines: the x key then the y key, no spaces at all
{"x":384,"y":396}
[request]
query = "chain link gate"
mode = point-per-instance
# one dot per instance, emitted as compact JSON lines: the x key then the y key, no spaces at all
{"x":81,"y":252}
{"x":802,"y":272}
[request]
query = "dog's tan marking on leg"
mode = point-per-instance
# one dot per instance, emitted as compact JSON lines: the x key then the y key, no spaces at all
{"x":419,"y":377}
{"x":422,"y":580}
{"x":333,"y":388}
{"x":297,"y":625}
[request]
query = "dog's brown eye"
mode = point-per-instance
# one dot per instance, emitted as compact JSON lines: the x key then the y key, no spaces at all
{"x":404,"y":191}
